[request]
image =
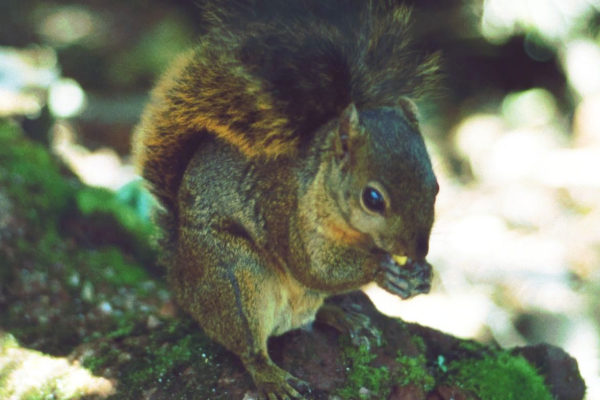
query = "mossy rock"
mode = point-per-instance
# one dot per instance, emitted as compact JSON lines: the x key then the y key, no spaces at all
{"x":85,"y":313}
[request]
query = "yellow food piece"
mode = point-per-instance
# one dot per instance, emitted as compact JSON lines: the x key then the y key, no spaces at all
{"x":400,"y":259}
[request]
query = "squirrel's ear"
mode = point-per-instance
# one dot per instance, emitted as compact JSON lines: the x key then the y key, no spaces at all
{"x":409,"y":108}
{"x":348,"y":130}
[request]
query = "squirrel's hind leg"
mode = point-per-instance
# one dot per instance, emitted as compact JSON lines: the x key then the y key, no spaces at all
{"x":235,"y":299}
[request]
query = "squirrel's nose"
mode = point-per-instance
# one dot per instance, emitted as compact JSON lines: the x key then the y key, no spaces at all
{"x":415,"y":247}
{"x":421,"y":245}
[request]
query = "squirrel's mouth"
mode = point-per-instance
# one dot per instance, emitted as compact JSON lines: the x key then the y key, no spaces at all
{"x":399,"y":259}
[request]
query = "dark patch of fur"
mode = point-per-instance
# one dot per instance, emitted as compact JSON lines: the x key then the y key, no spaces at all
{"x":307,"y":60}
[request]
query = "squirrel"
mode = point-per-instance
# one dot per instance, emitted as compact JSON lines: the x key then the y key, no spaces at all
{"x":285,"y":151}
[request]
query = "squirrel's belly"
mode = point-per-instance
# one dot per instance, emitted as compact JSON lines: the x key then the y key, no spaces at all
{"x":297,"y":311}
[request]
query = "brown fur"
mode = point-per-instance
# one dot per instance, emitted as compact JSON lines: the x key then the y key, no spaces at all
{"x":260,"y":144}
{"x":263,"y":83}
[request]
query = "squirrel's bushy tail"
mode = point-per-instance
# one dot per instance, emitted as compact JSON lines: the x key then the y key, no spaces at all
{"x":271,"y":71}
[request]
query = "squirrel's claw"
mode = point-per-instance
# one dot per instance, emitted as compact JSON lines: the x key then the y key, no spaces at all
{"x":406,"y":280}
{"x":288,"y":390}
{"x":283,"y":392}
{"x":299,"y":384}
{"x":356,"y":323}
{"x":350,"y":322}
{"x":273,"y":383}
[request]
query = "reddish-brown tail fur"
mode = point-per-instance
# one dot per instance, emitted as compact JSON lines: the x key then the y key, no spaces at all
{"x":269,"y":72}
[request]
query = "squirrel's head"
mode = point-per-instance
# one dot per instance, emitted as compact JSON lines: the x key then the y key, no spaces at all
{"x":381,"y":180}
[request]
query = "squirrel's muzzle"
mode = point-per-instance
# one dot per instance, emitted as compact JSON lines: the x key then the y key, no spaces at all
{"x":416,"y":247}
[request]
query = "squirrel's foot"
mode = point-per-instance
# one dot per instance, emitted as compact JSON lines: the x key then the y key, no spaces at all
{"x":408,"y":280}
{"x":273,"y":383}
{"x":284,"y":387}
{"x":350,"y":322}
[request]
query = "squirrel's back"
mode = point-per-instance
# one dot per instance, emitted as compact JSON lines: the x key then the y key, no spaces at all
{"x":269,"y":72}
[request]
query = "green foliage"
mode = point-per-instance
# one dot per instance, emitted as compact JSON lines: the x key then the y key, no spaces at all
{"x":420,"y":343}
{"x":135,"y":195}
{"x":361,"y":373}
{"x":414,"y":370}
{"x":104,"y":202}
{"x":499,"y":376}
{"x":471,"y":346}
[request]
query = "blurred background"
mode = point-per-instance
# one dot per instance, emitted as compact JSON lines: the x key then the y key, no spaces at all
{"x":514,"y":135}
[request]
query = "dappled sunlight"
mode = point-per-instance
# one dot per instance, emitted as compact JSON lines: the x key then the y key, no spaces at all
{"x":582,"y":63}
{"x":25,"y":76}
{"x":437,"y":310}
{"x":552,"y":19}
{"x":586,"y":126}
{"x":30,"y":373}
{"x":534,"y":107}
{"x":66,"y":98}
{"x":102,"y":167}
{"x":64,"y":25}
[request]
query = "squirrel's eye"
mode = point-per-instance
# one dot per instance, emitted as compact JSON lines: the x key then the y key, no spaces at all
{"x":373,"y":200}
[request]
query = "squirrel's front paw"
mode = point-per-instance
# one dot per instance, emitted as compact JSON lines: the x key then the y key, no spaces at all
{"x":408,"y":280}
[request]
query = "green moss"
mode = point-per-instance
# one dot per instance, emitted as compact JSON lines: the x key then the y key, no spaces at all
{"x":47,"y":249}
{"x":41,"y":194}
{"x":106,"y":355}
{"x":7,"y":341}
{"x":168,"y":351}
{"x":414,"y":370}
{"x":498,"y":377}
{"x":165,"y":359}
{"x":31,"y":175}
{"x":471,"y":346}
{"x":361,"y":373}
{"x":125,"y":328}
{"x":5,"y":371}
{"x":109,"y":265}
{"x":46,"y":391}
{"x":419,"y":342}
